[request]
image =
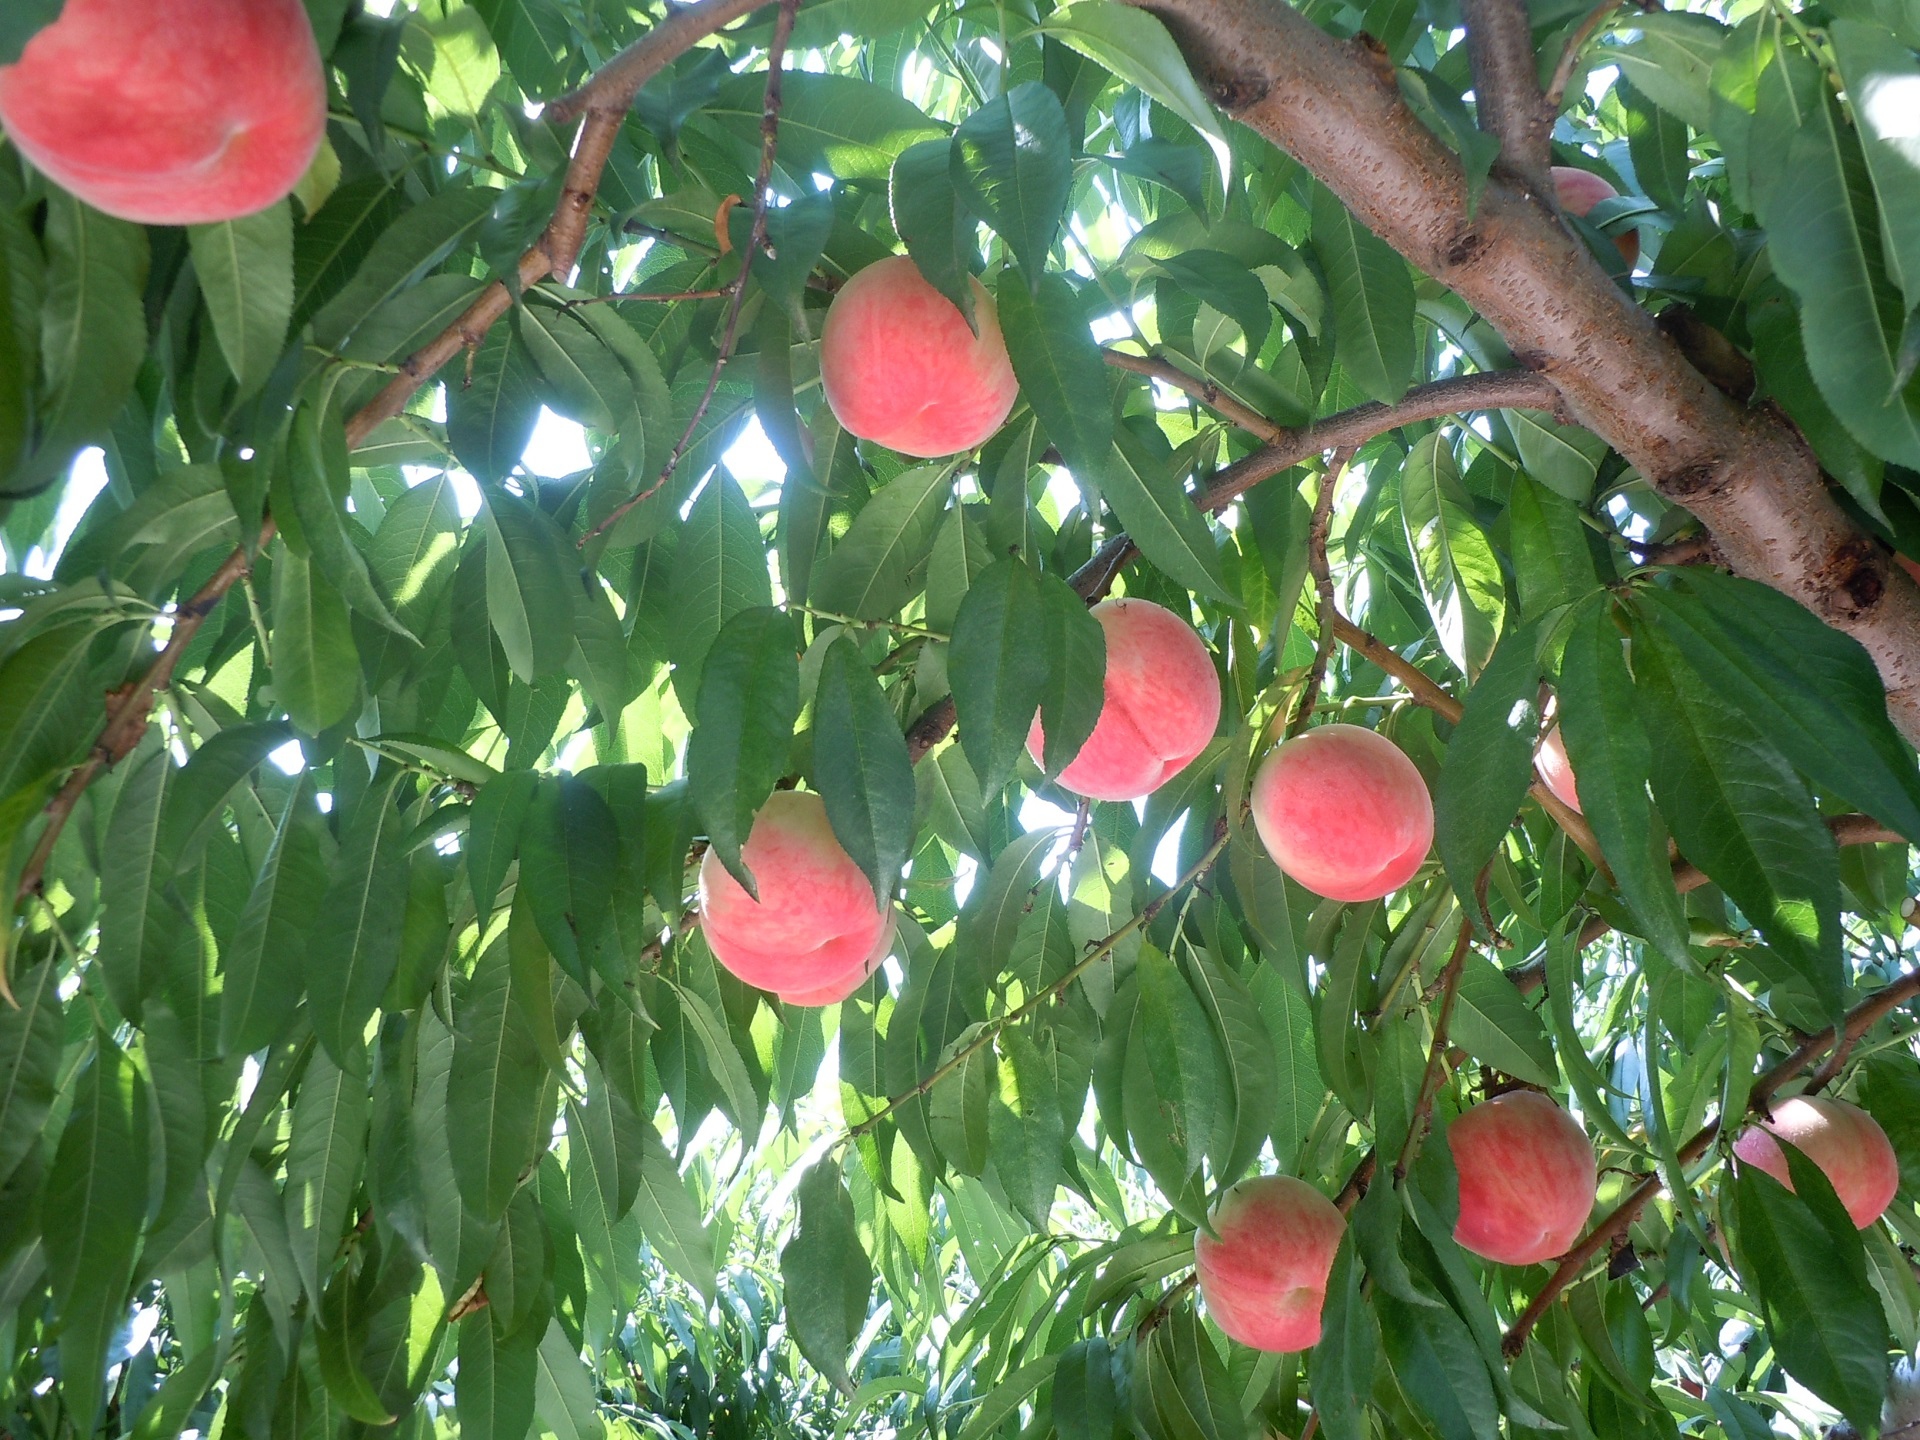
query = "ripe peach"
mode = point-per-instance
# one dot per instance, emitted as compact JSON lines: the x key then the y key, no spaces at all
{"x":1162,"y":704}
{"x":1527,"y":1178}
{"x":900,"y":367}
{"x":816,"y":932}
{"x":170,"y":112}
{"x":1556,"y":771}
{"x":1579,"y":191}
{"x":1344,"y":812}
{"x":1265,"y":1278}
{"x":1846,"y":1142}
{"x":1912,"y":567}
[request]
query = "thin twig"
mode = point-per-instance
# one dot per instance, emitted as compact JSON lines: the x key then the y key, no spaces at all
{"x":1497,"y":390}
{"x":756,"y":241}
{"x":1205,"y":391}
{"x":655,"y":297}
{"x":1570,"y":56}
{"x":1436,"y":1053}
{"x":1357,"y":1183}
{"x":1858,"y":1021}
{"x":1322,"y":573}
{"x":990,"y":1031}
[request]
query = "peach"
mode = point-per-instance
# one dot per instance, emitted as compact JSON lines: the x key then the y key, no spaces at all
{"x":1344,"y":812}
{"x":1161,"y":708}
{"x":1265,"y":1278}
{"x":1579,"y":191}
{"x":170,"y":112}
{"x":1527,"y":1178}
{"x":1912,"y":567}
{"x":1556,"y":771}
{"x":900,"y":367}
{"x":816,"y":932}
{"x":1847,"y":1143}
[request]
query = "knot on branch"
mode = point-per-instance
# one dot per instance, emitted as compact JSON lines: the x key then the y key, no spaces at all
{"x":1855,"y":575}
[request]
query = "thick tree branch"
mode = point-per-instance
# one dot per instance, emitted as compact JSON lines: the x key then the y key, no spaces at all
{"x":1506,"y":88}
{"x":1746,"y":473}
{"x":1858,"y":1021}
{"x":613,"y":86}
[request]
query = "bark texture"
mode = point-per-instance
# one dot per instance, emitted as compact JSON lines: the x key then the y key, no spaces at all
{"x":1335,"y":107}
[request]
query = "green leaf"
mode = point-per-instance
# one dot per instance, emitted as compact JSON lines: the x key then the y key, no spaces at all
{"x":1003,"y":1402}
{"x":1160,"y":517}
{"x":494,"y":1382}
{"x":563,"y":1391}
{"x":93,"y":1210}
{"x":22,"y":22}
{"x":834,"y":124}
{"x":1086,"y":1402}
{"x":1881,"y":74}
{"x":1349,"y":1347}
{"x":861,"y":767}
{"x":670,"y":1216}
{"x":1135,"y":46}
{"x":719,"y":569}
{"x":1489,"y":763}
{"x":1670,"y":61}
{"x":1373,"y":300}
{"x":827,"y":1274}
{"x":1459,"y":575}
{"x":959,"y":1108}
{"x":930,"y":220}
{"x":355,"y":943}
{"x":1252,"y":1072}
{"x":568,"y":856}
{"x":324,"y":1159}
{"x":417,"y":241}
{"x":30,"y":1044}
{"x":1552,"y":566}
{"x":1741,"y":815}
{"x":537,"y":43}
{"x":491,"y":414}
{"x":264,"y":968}
{"x":743,"y":728}
{"x":245,"y":269}
{"x":1824,"y":237}
{"x":1012,"y":165}
{"x":529,"y":589}
{"x":1059,"y":367}
{"x":880,"y":562}
{"x":1432,"y":1358}
{"x":1183,"y":1057}
{"x":316,"y":670}
{"x":1075,"y":645}
{"x":1492,"y":1023}
{"x":48,"y":697}
{"x":998,"y":675}
{"x":1608,"y":748}
{"x":1802,"y":1256}
{"x":1813,"y":690}
{"x":497,"y":1108}
{"x":493,"y":833}
{"x":1301,"y":1091}
{"x":141,"y":919}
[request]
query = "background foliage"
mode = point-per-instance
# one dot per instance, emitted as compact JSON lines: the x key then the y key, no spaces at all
{"x":366,"y":1072}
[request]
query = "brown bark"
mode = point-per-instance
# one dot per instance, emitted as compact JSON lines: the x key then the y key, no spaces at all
{"x":1334,"y":106}
{"x":1506,"y":88}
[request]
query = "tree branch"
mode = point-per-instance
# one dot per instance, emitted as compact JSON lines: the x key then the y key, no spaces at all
{"x":1506,"y":88}
{"x":1858,"y":1021}
{"x":756,"y":239}
{"x":1437,"y":1053}
{"x":1323,"y":585}
{"x":552,"y":254}
{"x":1746,"y":473}
{"x":1570,"y":56}
{"x":1205,"y":391}
{"x":1497,"y":390}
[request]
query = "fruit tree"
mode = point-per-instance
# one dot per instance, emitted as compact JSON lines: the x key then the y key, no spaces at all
{"x":973,"y":719}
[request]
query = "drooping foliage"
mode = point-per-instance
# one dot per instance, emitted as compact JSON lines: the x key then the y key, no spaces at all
{"x":367,"y":1071}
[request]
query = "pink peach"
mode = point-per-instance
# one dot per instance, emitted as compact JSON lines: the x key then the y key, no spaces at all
{"x":1847,"y":1143}
{"x":170,"y":112}
{"x":1344,"y":812}
{"x":817,"y":931}
{"x":1527,"y":1178}
{"x":900,"y":367}
{"x":1265,"y":1278}
{"x":1161,"y":708}
{"x":1579,"y":191}
{"x":1556,"y":771}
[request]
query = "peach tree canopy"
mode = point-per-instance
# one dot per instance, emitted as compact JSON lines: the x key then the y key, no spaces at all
{"x":411,"y":591}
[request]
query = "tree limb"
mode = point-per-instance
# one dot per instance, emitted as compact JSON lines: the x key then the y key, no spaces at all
{"x":1858,"y":1021}
{"x":1437,"y":1052}
{"x":1506,"y":89}
{"x":1746,"y":473}
{"x":612,"y":87}
{"x":1322,"y":574}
